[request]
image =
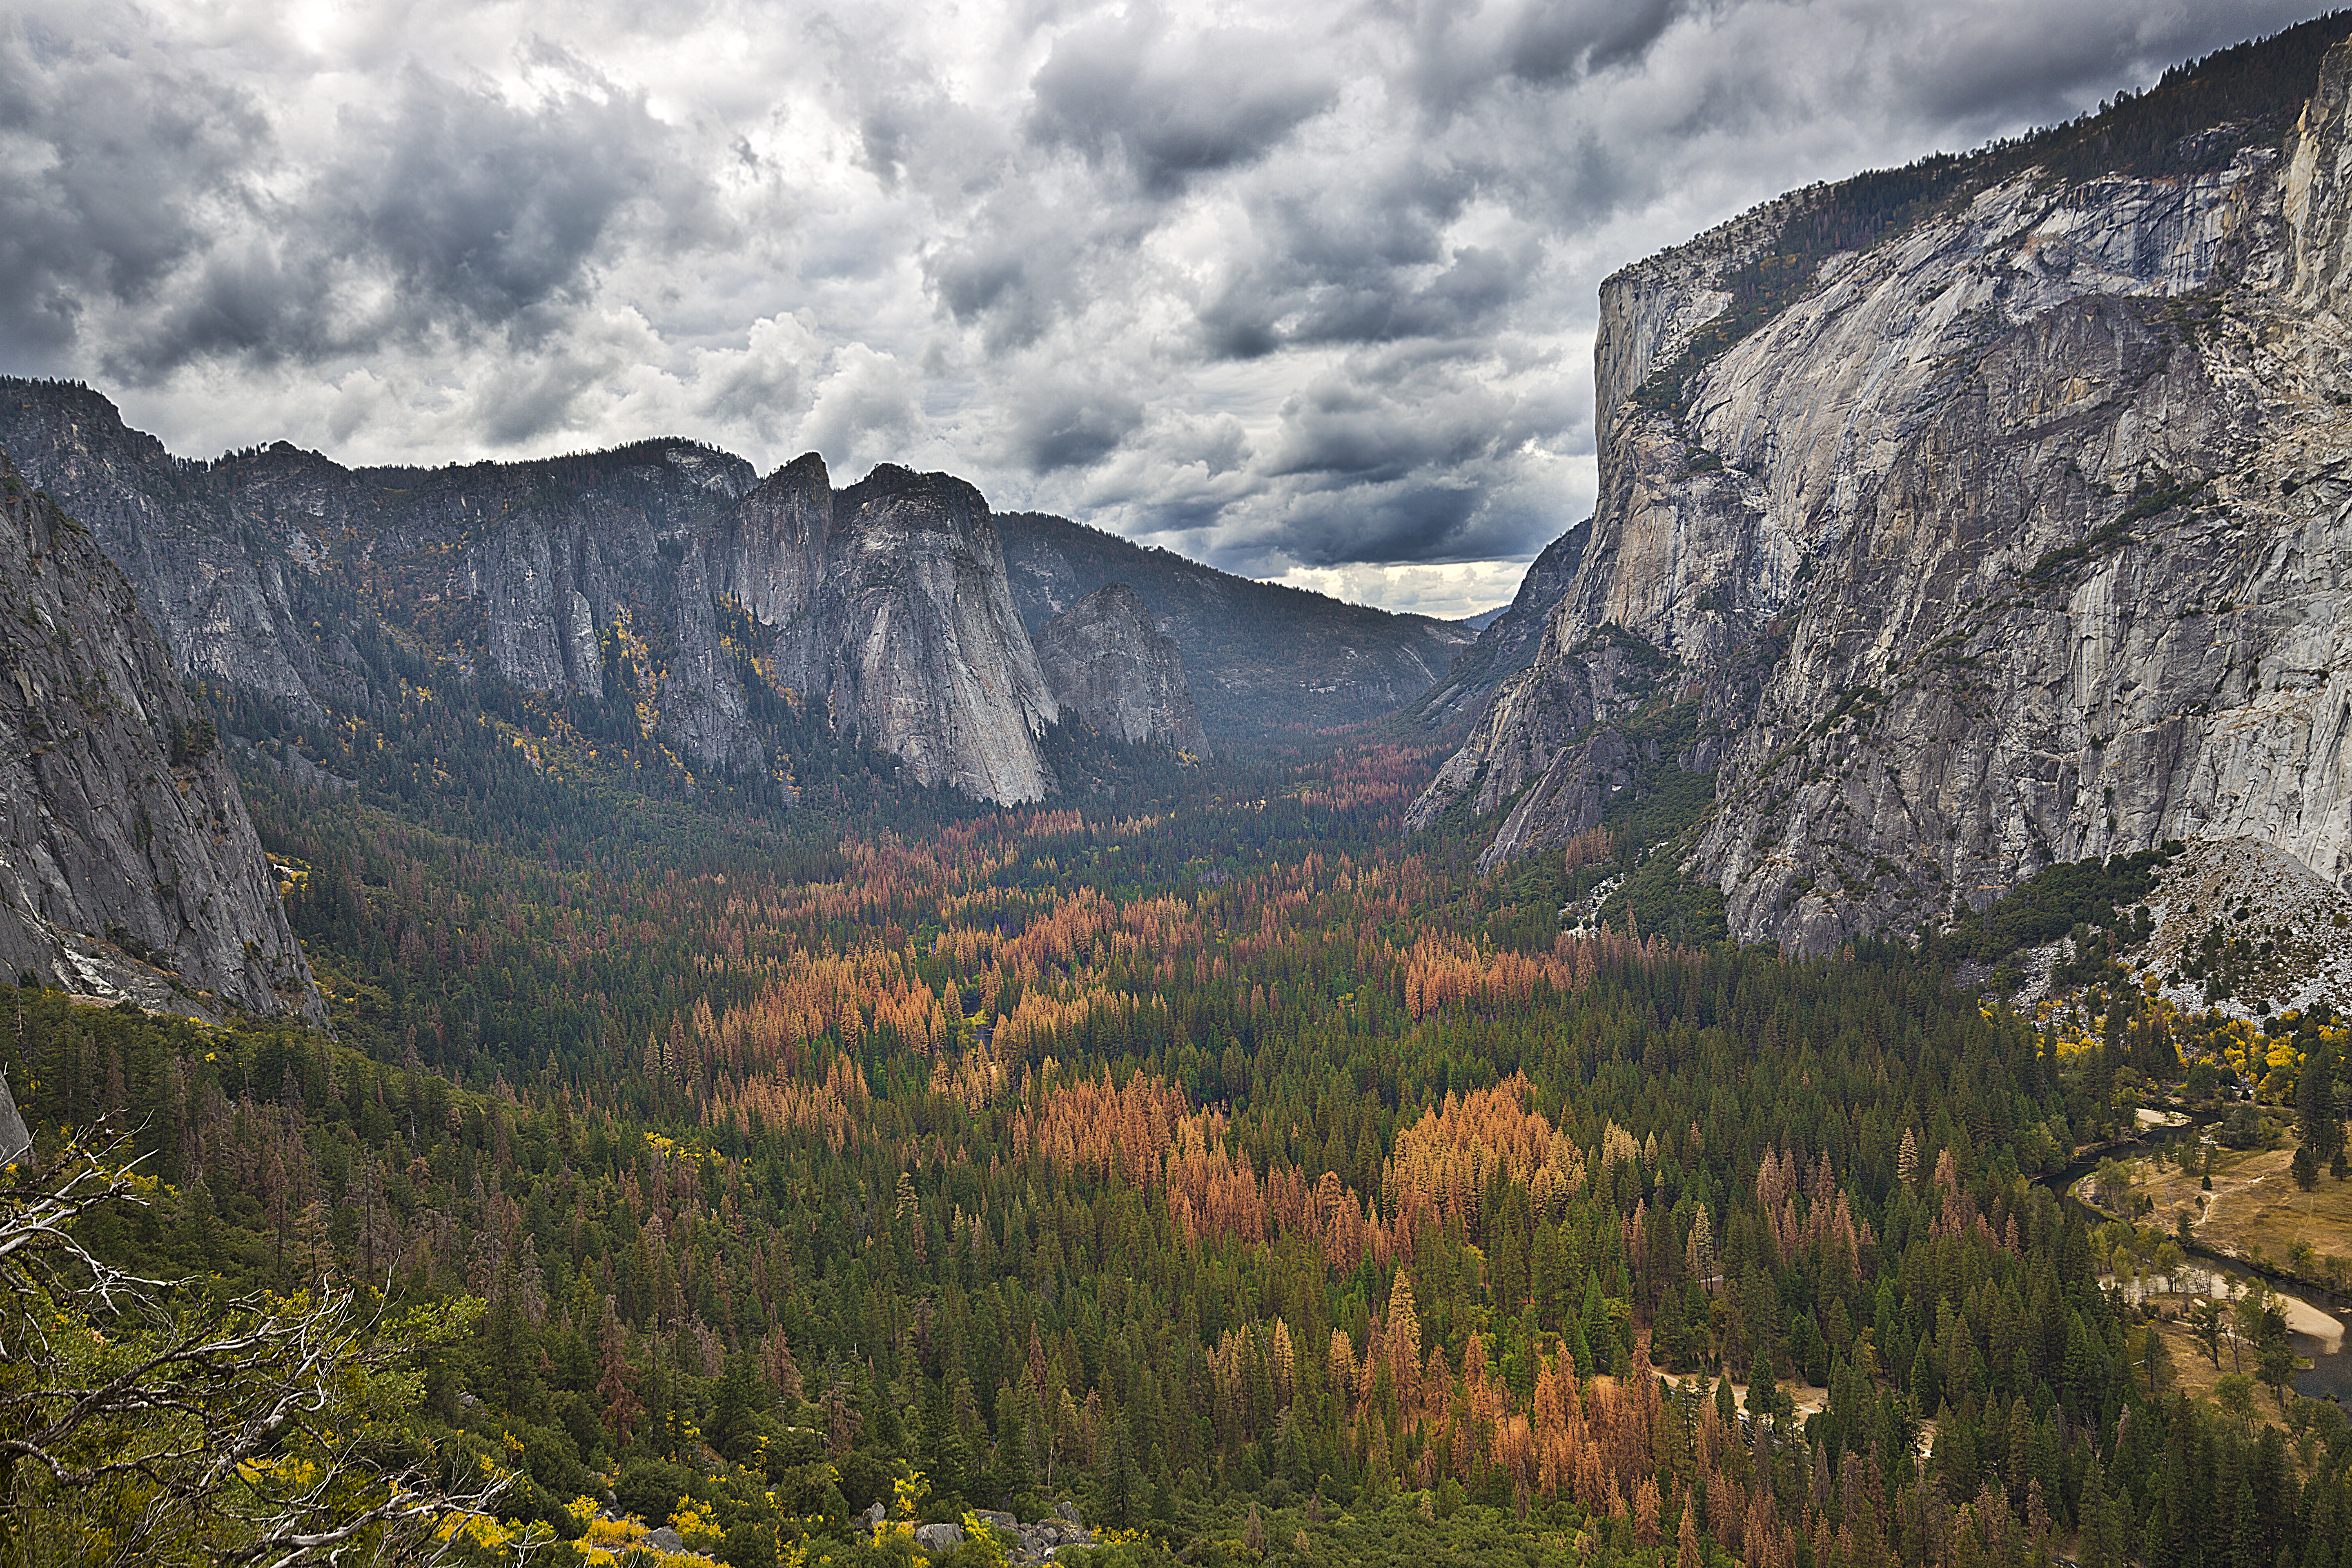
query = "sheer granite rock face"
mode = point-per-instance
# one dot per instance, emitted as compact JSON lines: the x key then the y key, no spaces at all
{"x":1110,"y":666}
{"x":253,"y":565}
{"x":770,"y":553}
{"x":227,"y":612}
{"x":127,"y":860}
{"x":912,"y":636}
{"x":2020,"y":536}
{"x":641,"y":565}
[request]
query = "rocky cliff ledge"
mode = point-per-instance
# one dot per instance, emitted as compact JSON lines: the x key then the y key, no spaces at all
{"x":129,"y":867}
{"x":1968,"y":518}
{"x":1109,"y":665}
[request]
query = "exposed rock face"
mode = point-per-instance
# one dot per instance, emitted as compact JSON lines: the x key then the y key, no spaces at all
{"x":227,"y":614}
{"x":1109,"y":665}
{"x":14,"y":1138}
{"x":1508,"y":643}
{"x":1261,"y":658}
{"x":253,"y":566}
{"x":913,"y":634}
{"x":771,"y":551}
{"x":649,"y":575}
{"x":128,"y":861}
{"x":2019,"y":535}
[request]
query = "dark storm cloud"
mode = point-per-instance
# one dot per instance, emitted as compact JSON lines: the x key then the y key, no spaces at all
{"x":1420,"y":516}
{"x":1463,"y":47}
{"x":111,"y":176}
{"x":969,"y":284}
{"x":487,"y":211}
{"x":1414,"y":519}
{"x":446,"y":210}
{"x":1069,"y":427}
{"x":1010,"y":276}
{"x":1550,"y":41}
{"x":1173,"y":106}
{"x":1300,"y":295}
{"x":1354,"y":264}
{"x":1380,"y":422}
{"x":2050,"y":73}
{"x":1464,"y":298}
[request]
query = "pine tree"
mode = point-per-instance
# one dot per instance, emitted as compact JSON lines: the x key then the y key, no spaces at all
{"x":1015,"y":1471}
{"x":1686,"y":1549}
{"x":1403,"y":1343}
{"x":2318,"y":1127}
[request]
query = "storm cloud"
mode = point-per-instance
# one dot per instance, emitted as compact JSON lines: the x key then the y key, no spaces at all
{"x":1307,"y":290}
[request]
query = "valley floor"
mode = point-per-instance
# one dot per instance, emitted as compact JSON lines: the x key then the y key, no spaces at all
{"x":2255,"y":1211}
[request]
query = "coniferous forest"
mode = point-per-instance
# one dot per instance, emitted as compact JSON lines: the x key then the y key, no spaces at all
{"x":1198,"y":1152}
{"x":710,"y":1144}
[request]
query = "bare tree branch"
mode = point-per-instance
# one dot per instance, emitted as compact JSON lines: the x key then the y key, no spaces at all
{"x":250,"y":1432}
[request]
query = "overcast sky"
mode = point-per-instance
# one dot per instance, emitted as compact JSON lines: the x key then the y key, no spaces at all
{"x":1304,"y":289}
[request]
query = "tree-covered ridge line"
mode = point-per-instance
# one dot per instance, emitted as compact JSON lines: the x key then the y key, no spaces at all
{"x":2196,"y":118}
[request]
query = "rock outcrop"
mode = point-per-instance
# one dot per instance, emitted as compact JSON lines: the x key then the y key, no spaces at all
{"x":1030,"y":1543}
{"x":14,"y":1138}
{"x":771,"y":549}
{"x":1974,"y":517}
{"x":912,"y":635}
{"x":1110,"y":666}
{"x":130,"y":867}
{"x":1262,"y":659}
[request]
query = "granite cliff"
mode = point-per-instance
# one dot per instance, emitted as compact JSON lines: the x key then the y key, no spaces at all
{"x":1111,"y":668}
{"x":665,"y":591}
{"x":1960,"y":520}
{"x":130,"y":867}
{"x":910,"y":632}
{"x":661,"y":581}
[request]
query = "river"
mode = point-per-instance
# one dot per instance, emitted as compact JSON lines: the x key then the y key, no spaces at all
{"x":2315,"y":1331}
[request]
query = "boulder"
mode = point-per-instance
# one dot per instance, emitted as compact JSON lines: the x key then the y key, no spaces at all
{"x":939,"y":1537}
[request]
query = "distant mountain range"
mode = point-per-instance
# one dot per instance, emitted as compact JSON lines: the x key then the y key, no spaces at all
{"x":669,"y":582}
{"x":1263,"y":659}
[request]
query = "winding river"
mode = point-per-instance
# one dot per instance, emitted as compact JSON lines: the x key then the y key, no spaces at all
{"x":2316,"y":1331}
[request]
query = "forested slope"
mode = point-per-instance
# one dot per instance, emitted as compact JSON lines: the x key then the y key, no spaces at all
{"x":1223,"y":1166}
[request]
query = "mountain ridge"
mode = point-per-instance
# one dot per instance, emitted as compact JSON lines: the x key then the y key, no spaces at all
{"x":618,"y":576}
{"x":1265,"y":659}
